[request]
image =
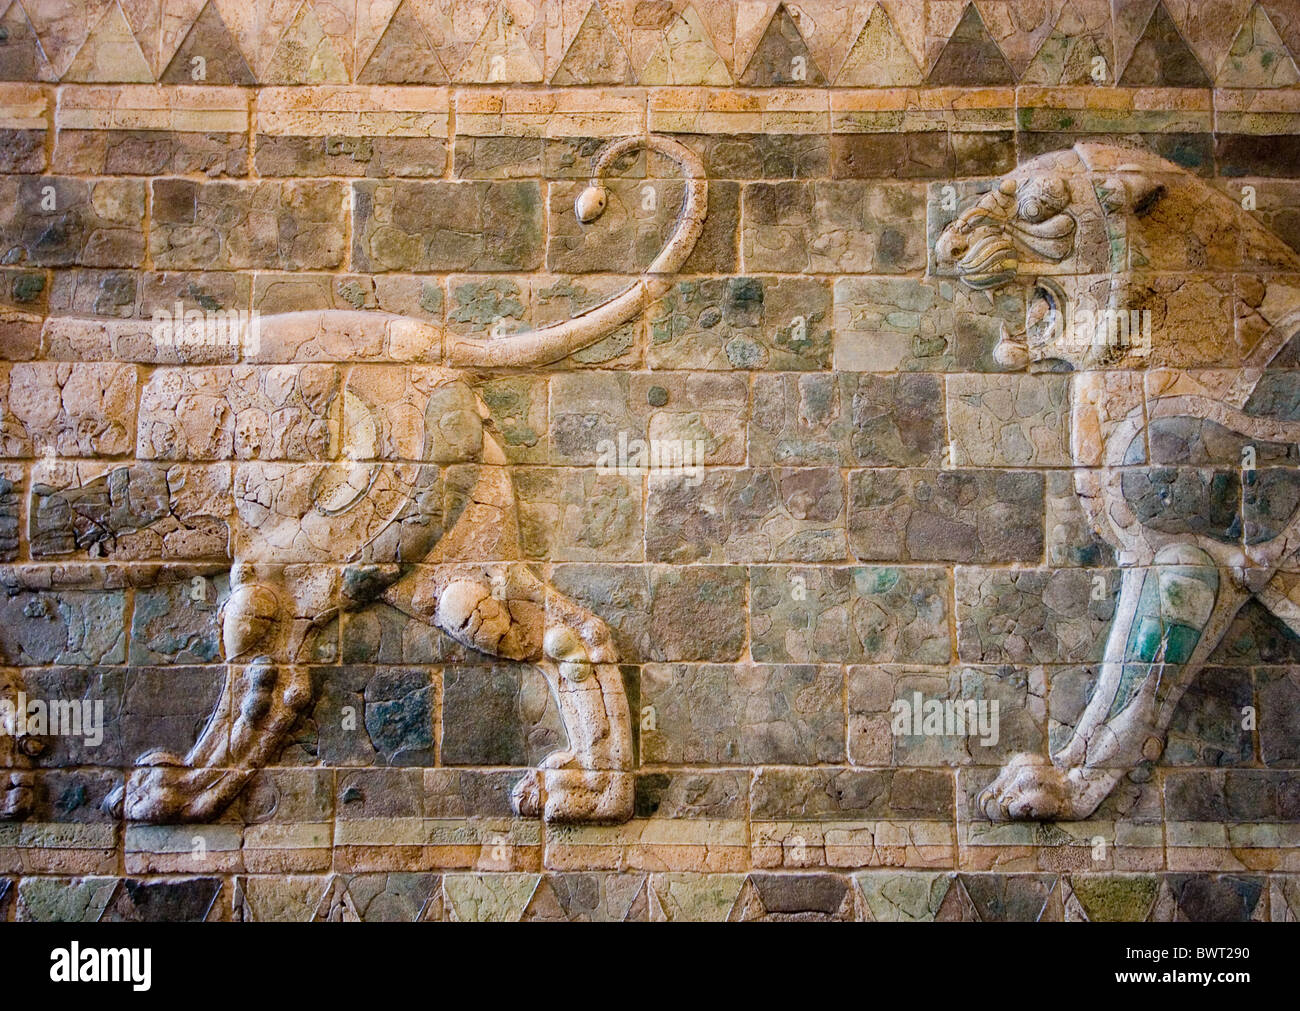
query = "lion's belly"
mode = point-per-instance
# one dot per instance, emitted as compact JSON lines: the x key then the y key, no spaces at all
{"x":277,"y":463}
{"x":1207,"y":480}
{"x":337,"y":512}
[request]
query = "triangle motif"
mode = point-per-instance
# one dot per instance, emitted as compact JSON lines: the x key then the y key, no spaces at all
{"x":879,"y":58}
{"x":501,"y":54}
{"x":1161,"y":58}
{"x":22,"y":58}
{"x":336,"y":904}
{"x":1104,"y":898}
{"x":470,"y":897}
{"x":782,"y":57}
{"x":403,"y":54}
{"x":1068,"y":55}
{"x":544,"y":905}
{"x":110,"y":54}
{"x":305,"y":54}
{"x":1064,"y":59}
{"x":1258,"y":58}
{"x":956,"y":906}
{"x":970,"y":57}
{"x":210,"y":52}
{"x":684,"y":55}
{"x":596,"y":56}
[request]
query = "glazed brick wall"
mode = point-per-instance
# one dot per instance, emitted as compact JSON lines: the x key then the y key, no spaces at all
{"x":422,"y":158}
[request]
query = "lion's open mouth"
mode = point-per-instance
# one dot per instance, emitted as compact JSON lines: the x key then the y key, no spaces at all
{"x":1033,"y":348}
{"x":989,"y":263}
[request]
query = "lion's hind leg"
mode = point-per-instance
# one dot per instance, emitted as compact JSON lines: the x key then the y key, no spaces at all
{"x":591,"y":780}
{"x":510,"y":612}
{"x":1169,"y":617}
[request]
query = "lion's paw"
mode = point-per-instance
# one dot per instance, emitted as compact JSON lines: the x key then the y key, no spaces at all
{"x":164,"y":790}
{"x":526,"y":797}
{"x":528,"y":794}
{"x":567,"y":794}
{"x":17,"y":795}
{"x":1030,"y":788}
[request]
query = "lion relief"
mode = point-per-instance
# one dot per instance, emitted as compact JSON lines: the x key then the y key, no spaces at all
{"x":351,"y":461}
{"x":1163,"y":301}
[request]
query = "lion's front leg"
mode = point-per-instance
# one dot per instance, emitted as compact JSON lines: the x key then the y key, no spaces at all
{"x":17,"y":781}
{"x":1168,"y":619}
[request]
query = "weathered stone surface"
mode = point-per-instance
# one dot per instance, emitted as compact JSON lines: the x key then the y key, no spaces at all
{"x":842,"y":614}
{"x":62,"y":626}
{"x":783,"y":898}
{"x":1008,"y":714}
{"x":23,"y":151}
{"x":746,"y":516}
{"x":431,"y":226}
{"x":955,"y":516}
{"x":369,"y":157}
{"x":658,"y":422}
{"x":588,"y":898}
{"x":71,"y":409}
{"x":883,"y":324}
{"x":383,"y":634}
{"x":417,"y":297}
{"x":267,"y":225}
{"x":143,"y":512}
{"x":127,"y":294}
{"x":579,"y":515}
{"x":58,"y":221}
{"x":620,"y":594}
{"x":152,"y":153}
{"x":697,"y":613}
{"x":807,"y":420}
{"x":844,"y":227}
{"x":1071,"y":538}
{"x":1030,"y":615}
{"x":179,"y":623}
{"x":1279,"y":742}
{"x":500,"y":715}
{"x":693,"y":897}
{"x":930,"y":154}
{"x":116,"y":901}
{"x":970,"y":55}
{"x":762,"y":155}
{"x":639,"y":216}
{"x":375,"y":715}
{"x":749,"y":715}
{"x":741,"y":323}
{"x":166,"y":707}
{"x":1008,"y":421}
{"x":11,"y":498}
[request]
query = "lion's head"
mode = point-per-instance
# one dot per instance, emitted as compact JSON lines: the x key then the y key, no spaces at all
{"x":1125,"y":260}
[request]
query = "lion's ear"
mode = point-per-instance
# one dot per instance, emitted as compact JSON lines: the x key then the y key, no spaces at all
{"x":1144,"y":194}
{"x":1131,"y":192}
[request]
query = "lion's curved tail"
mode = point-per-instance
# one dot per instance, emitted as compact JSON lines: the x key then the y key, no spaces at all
{"x":547,"y":344}
{"x":340,"y":335}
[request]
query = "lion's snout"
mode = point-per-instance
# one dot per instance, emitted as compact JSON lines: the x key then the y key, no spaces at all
{"x":953,"y":244}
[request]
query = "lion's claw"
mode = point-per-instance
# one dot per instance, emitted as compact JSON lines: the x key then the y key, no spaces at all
{"x":17,"y":795}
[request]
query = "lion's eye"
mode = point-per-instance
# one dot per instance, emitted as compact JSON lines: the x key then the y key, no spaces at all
{"x":1033,"y":210}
